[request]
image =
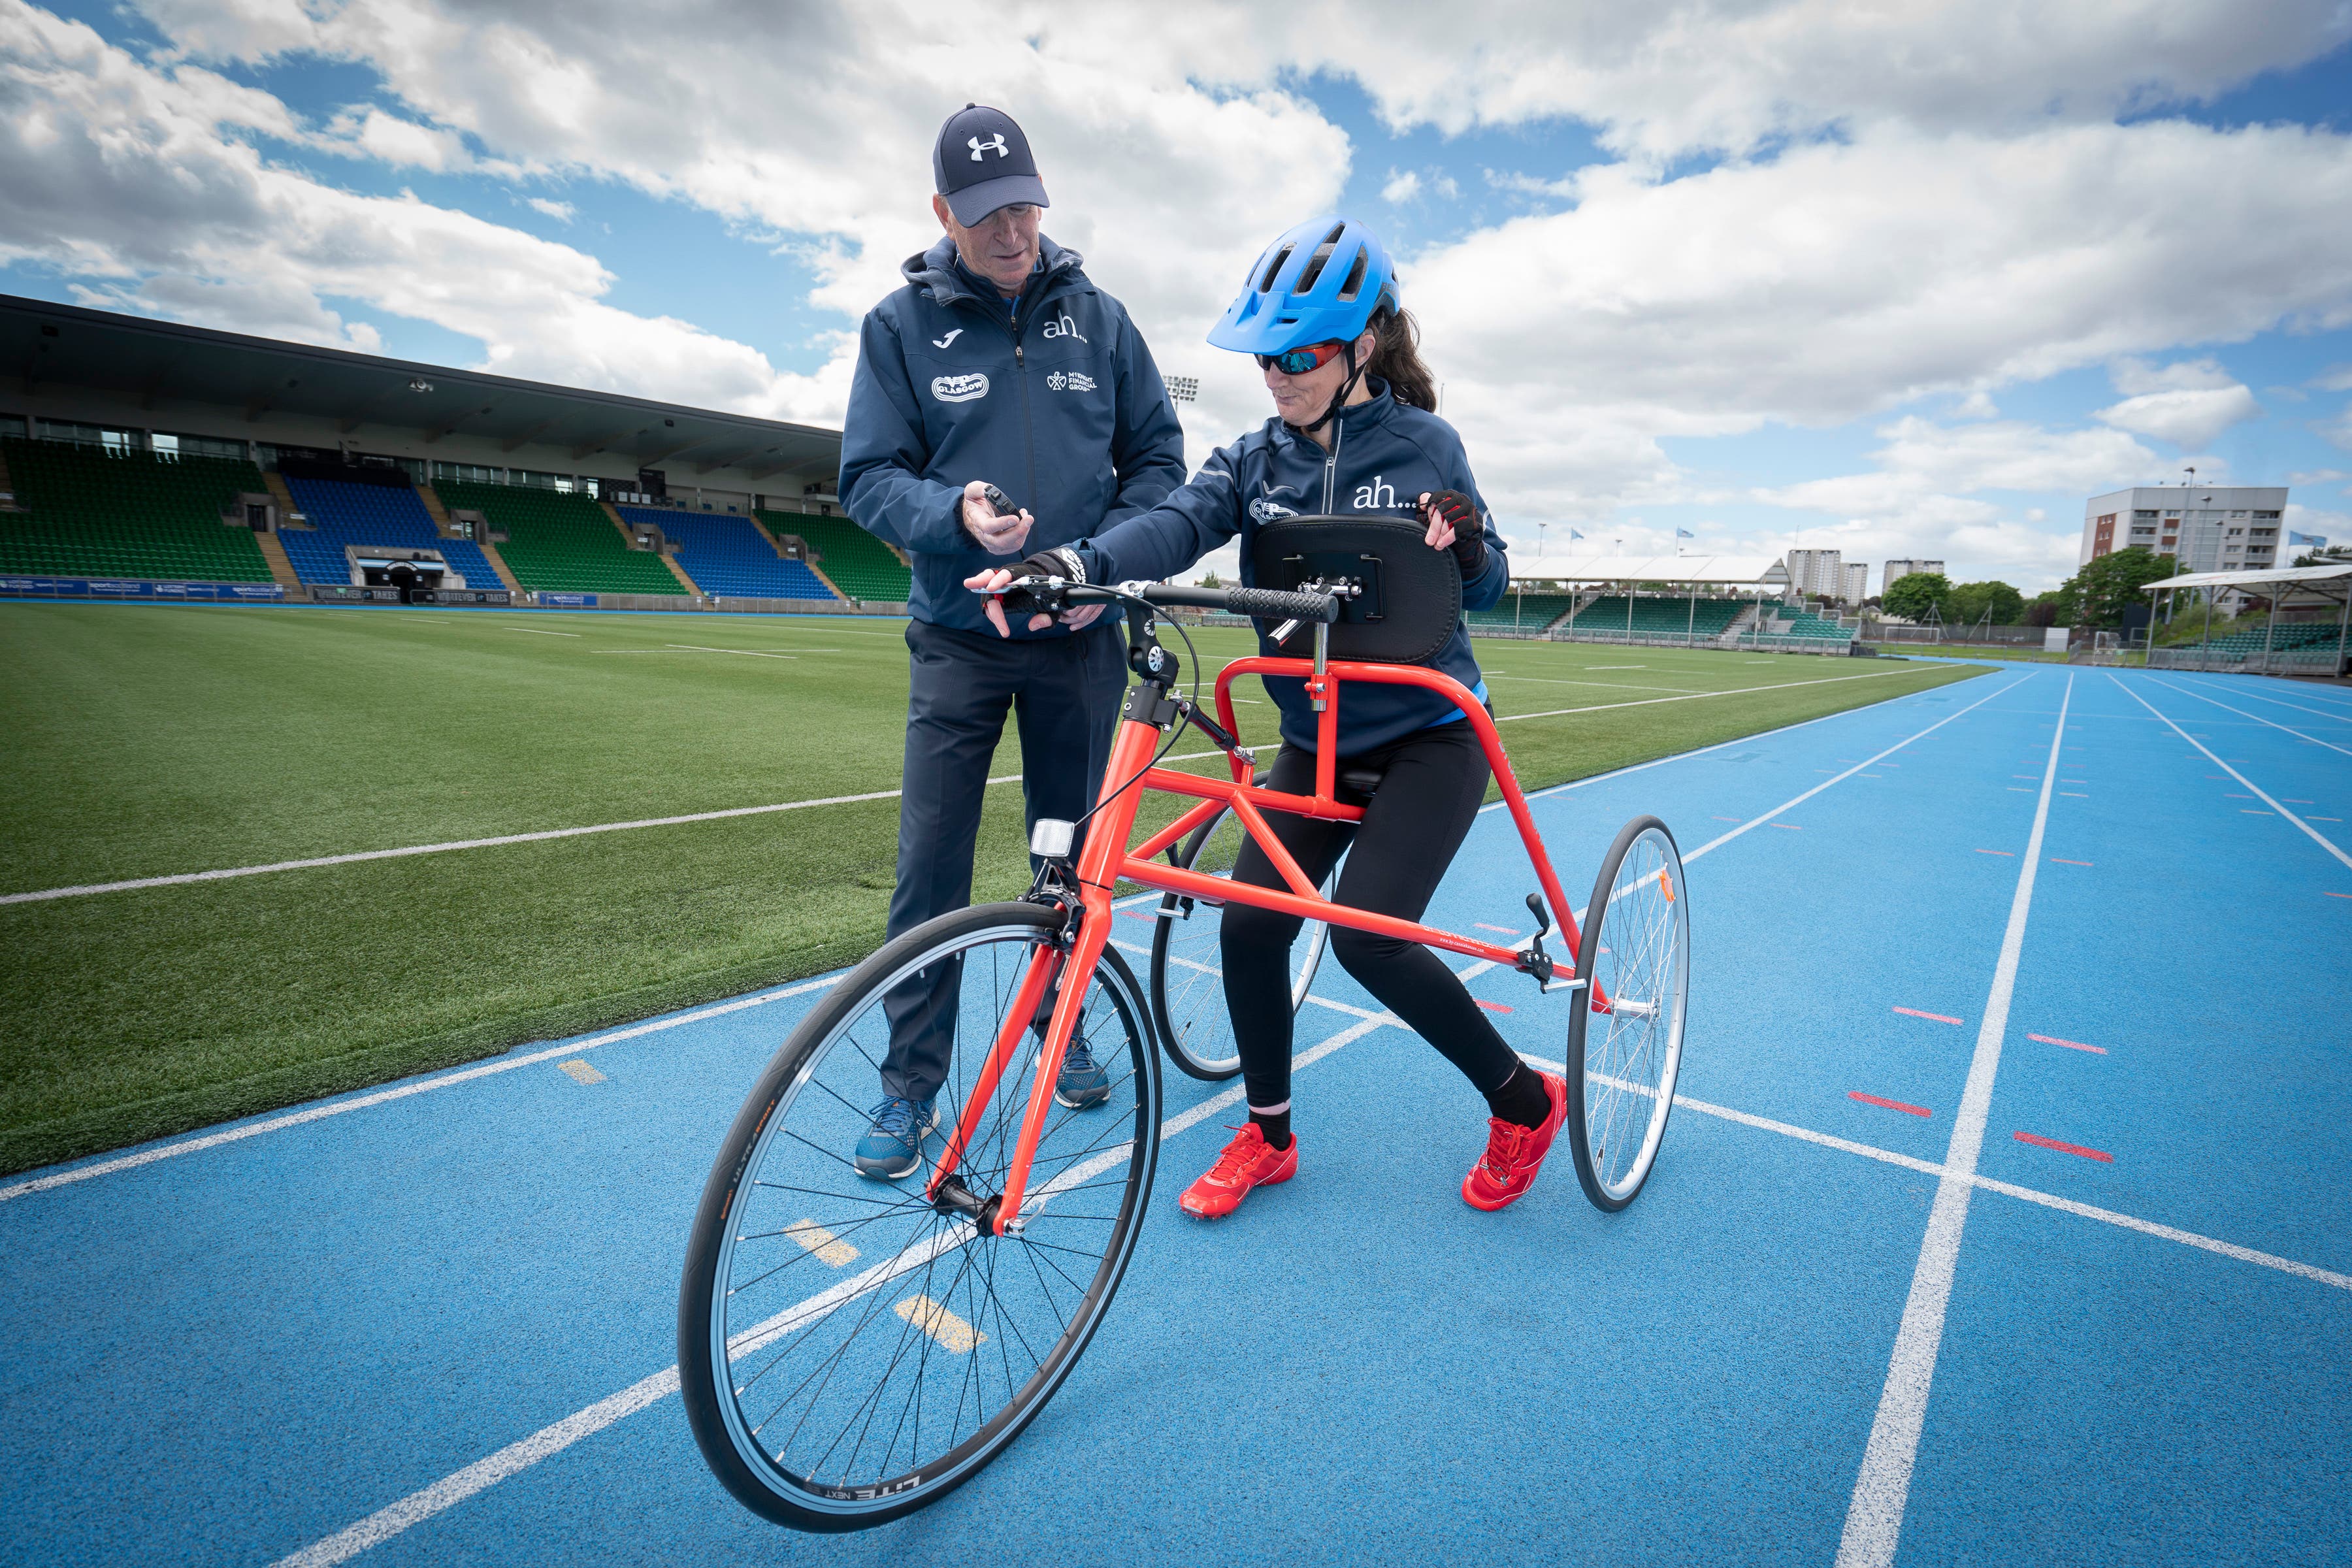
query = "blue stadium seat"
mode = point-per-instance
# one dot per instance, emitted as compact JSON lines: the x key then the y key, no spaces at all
{"x":341,"y":514}
{"x":726,"y":556}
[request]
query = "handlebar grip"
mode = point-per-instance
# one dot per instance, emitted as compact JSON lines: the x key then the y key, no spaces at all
{"x":1266,"y":603}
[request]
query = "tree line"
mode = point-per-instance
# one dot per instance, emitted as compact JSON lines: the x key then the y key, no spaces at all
{"x":2094,"y":597}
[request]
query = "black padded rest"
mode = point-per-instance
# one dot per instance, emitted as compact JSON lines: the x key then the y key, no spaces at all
{"x":1413,"y":595}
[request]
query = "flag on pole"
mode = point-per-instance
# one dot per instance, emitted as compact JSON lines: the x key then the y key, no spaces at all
{"x":1573,"y":534}
{"x":1684,"y":534}
{"x":2314,"y":540}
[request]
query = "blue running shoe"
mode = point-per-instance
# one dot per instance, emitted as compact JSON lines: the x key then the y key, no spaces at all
{"x":1082,"y":1082}
{"x":893,"y":1146}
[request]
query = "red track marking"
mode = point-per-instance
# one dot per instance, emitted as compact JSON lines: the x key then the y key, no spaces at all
{"x":2010,"y":853}
{"x":1915,"y":1013}
{"x":2061,"y":860}
{"x":1500,"y":930}
{"x":1889,"y":1104}
{"x":1494,"y":1006}
{"x":2070,"y":1044}
{"x":2233,"y":794}
{"x":1789,"y":825}
{"x":2041,"y":1142}
{"x":2338,"y":895}
{"x":1138,"y":915}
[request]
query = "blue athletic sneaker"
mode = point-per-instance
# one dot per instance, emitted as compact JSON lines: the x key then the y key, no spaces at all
{"x":1082,"y":1082}
{"x":893,"y":1146}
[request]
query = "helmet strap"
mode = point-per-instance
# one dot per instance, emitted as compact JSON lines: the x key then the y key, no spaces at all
{"x":1340,"y":398}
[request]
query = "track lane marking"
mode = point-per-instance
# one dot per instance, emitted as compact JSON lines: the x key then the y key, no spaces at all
{"x":2039,"y":1141}
{"x":2191,"y":692}
{"x":1888,"y":1104}
{"x":2317,"y":837}
{"x":1881,"y":1489}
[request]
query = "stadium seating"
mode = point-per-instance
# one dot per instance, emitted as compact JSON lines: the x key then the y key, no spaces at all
{"x":342,"y":513}
{"x":2288,"y":636}
{"x":140,"y":515}
{"x":1529,"y":612}
{"x":727,"y":556}
{"x":564,"y":543}
{"x":1700,"y":619}
{"x":856,"y":562}
{"x":1799,"y":622}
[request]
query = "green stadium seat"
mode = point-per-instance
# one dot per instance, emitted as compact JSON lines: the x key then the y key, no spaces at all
{"x":92,"y":512}
{"x":856,"y":562}
{"x":563,"y":542}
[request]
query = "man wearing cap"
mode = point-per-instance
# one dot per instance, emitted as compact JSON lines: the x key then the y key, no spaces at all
{"x":999,"y":365}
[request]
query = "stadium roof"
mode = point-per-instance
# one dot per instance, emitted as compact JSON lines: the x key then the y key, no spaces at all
{"x":2290,"y":574}
{"x":1746,"y":571}
{"x":164,"y":364}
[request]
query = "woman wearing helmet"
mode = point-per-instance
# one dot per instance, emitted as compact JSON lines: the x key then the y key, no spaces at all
{"x":1355,"y":429}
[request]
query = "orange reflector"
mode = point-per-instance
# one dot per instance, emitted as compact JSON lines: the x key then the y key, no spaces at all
{"x":1667,"y":883}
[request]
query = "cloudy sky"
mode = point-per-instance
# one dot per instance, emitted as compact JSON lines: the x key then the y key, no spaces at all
{"x":1898,"y":279}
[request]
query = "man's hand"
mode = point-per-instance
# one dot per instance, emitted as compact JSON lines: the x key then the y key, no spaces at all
{"x":999,"y":532}
{"x":1453,"y":525}
{"x":1060,"y":563}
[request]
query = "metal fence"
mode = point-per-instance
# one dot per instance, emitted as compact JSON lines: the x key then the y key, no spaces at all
{"x":2329,"y":660}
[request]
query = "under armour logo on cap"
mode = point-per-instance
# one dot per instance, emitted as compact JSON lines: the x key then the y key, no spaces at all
{"x":974,"y":182}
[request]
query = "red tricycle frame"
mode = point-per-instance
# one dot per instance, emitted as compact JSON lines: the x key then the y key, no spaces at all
{"x":1107,"y":860}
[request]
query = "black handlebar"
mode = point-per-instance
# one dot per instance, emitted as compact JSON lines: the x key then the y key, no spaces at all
{"x":1052,"y":594}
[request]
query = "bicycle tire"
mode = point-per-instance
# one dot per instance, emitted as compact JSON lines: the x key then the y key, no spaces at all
{"x":1636,"y":947}
{"x":1189,"y":1005}
{"x":742,"y":1257}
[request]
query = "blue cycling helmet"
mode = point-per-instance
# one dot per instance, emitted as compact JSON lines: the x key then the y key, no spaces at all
{"x":1321,"y":282}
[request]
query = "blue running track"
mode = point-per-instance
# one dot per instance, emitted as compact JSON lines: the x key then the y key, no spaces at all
{"x":2072,"y":1285}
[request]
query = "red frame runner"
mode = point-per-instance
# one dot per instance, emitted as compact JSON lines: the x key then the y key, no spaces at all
{"x":1106,"y":861}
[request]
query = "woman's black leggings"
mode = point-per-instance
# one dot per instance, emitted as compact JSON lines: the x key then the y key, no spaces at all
{"x":1435,"y":780}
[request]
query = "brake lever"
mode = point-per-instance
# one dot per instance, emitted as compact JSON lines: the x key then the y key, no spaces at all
{"x":1226,"y":739}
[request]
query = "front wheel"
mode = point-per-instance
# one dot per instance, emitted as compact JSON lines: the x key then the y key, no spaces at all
{"x":1187,"y":984}
{"x":847,"y":1351}
{"x":1626,"y":1053}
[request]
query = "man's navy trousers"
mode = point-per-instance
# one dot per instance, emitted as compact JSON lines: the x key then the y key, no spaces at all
{"x":1065,"y":691}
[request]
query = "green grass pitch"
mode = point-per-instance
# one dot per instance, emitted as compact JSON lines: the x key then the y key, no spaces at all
{"x":150,"y":740}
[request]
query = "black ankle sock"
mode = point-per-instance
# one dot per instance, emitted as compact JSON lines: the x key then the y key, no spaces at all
{"x":1521,"y":1098}
{"x":1276,"y":1125}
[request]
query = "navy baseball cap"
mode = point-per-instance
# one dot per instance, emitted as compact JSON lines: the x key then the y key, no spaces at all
{"x":982,"y":162}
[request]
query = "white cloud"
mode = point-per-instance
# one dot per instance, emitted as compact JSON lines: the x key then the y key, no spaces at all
{"x":1402,"y":187}
{"x":2319,"y":476}
{"x":562,"y":212}
{"x":2336,"y":527}
{"x":371,"y":132}
{"x":2187,"y":418}
{"x":1977,"y":405}
{"x":2338,"y":432}
{"x":2335,"y":378}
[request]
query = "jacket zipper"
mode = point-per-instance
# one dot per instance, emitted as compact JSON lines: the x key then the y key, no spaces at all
{"x":1331,"y":463}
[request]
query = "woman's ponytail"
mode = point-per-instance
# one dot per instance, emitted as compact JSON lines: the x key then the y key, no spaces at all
{"x":1396,"y":359}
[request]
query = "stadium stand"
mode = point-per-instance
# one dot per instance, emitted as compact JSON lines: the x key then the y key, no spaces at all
{"x":2288,"y":636}
{"x":1799,"y":622}
{"x":91,"y":513}
{"x":1656,"y":617}
{"x":1528,"y":611}
{"x":564,"y":543}
{"x":727,"y":556}
{"x":344,"y":512}
{"x":859,"y":564}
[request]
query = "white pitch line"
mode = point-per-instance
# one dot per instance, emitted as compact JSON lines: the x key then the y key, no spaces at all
{"x":2191,"y":692}
{"x":423,"y":1086}
{"x":1698,"y":696}
{"x":539,"y":632}
{"x":1874,"y":1521}
{"x":744,"y":652}
{"x":2317,"y":837}
{"x":483,"y":1474}
{"x":2332,"y":710}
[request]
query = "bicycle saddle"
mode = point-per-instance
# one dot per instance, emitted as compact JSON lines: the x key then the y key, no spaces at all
{"x":1411,"y":597}
{"x":1357,"y":781}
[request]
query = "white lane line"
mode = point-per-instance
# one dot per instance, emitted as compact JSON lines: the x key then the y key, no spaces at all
{"x":2330,"y":711}
{"x":2317,"y":837}
{"x":745,"y":652}
{"x":2191,"y":692}
{"x":1701,"y":696}
{"x":1874,"y":1521}
{"x":1720,"y":840}
{"x":483,"y":1474}
{"x":538,"y":632}
{"x":403,"y":1091}
{"x":2007,"y":1189}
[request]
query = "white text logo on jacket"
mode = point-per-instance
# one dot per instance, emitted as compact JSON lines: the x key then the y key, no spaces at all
{"x":1071,"y":380}
{"x":958,"y":388}
{"x":1267,"y":511}
{"x":1062,"y":326}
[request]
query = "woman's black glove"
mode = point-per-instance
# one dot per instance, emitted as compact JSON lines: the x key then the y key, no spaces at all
{"x":1061,"y":562}
{"x":1460,"y":513}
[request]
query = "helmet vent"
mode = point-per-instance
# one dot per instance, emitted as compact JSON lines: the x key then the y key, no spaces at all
{"x":1322,"y":255}
{"x":1355,"y":280}
{"x":1273,"y":267}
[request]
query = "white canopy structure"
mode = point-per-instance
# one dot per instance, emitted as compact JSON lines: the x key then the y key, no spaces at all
{"x":2304,"y":646}
{"x":1743,"y":571}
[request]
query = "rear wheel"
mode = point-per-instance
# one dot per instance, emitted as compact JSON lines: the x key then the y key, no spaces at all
{"x":1622,"y":1062}
{"x":849,"y":1352}
{"x":1188,"y":987}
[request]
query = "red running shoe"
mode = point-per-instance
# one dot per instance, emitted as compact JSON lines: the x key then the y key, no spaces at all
{"x":1248,"y":1162}
{"x":1514,"y":1154}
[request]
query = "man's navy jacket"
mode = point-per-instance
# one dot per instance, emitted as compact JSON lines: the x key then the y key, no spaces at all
{"x":1055,"y":401}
